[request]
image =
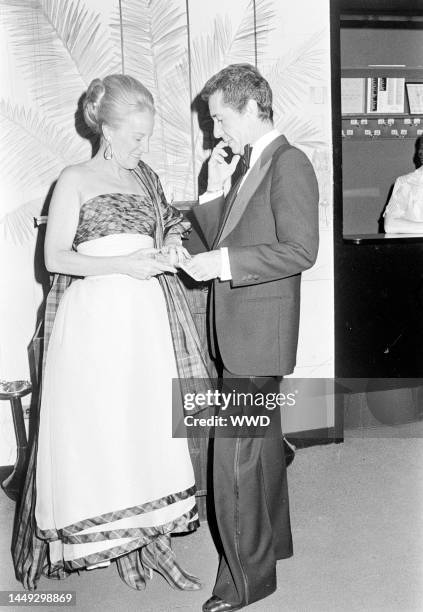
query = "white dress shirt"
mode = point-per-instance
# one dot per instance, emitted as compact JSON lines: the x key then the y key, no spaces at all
{"x":407,"y":197}
{"x":258,"y":148}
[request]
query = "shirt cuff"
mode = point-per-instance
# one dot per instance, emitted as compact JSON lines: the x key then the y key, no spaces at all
{"x":225,"y":270}
{"x":208,"y":196}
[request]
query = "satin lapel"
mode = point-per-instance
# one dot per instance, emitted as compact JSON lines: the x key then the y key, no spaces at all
{"x":250,"y":185}
{"x":229,"y":202}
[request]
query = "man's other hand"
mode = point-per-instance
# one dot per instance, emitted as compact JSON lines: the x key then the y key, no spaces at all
{"x":204,"y":266}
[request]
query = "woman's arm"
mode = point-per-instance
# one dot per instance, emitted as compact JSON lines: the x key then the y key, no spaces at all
{"x":397,"y":214}
{"x":61,"y":228}
{"x":398,"y":225}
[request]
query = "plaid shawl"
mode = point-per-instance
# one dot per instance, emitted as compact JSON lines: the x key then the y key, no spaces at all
{"x":29,"y":553}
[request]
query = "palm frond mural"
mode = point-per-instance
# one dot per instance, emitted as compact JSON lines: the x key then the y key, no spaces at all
{"x":155,"y":51}
{"x":209,"y":53}
{"x":61,"y":47}
{"x":300,"y":131}
{"x":292,"y":74}
{"x":240,"y":48}
{"x":226,"y":46}
{"x":154,"y":39}
{"x":34,"y":151}
{"x":154,"y":42}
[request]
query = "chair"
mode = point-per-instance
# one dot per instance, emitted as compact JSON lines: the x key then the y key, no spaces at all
{"x":14,"y":391}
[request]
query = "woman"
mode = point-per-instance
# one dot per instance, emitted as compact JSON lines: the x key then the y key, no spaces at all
{"x":111,"y":483}
{"x":404,"y":213}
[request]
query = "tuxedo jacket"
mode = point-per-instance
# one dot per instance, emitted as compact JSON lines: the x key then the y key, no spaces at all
{"x":271,"y":233}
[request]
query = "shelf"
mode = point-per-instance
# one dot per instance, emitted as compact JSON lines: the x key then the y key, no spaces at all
{"x":364,"y":89}
{"x":379,"y":239}
{"x":372,"y":116}
{"x":367,"y":138}
{"x":396,"y":9}
{"x":414,"y":73}
{"x":376,"y":126}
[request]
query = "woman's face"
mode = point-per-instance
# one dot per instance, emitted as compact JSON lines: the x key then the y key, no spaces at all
{"x":130,"y":140}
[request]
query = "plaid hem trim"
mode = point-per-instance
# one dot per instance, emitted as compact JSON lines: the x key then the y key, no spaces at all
{"x":183,"y":524}
{"x":65,"y":533}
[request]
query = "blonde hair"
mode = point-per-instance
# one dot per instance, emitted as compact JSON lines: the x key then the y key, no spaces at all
{"x":109,"y":101}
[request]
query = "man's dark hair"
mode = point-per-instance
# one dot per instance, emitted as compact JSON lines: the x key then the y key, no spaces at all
{"x":238,"y":84}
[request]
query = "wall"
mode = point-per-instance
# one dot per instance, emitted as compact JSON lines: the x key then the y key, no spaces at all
{"x":51,"y":50}
{"x":363,"y":46}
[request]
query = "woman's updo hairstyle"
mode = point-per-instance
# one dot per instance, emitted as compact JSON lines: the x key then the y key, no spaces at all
{"x":111,"y":99}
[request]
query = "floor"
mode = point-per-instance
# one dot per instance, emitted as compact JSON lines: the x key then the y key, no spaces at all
{"x":357,"y":519}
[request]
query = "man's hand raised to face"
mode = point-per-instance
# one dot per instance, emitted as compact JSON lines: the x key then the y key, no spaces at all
{"x":219,"y":170}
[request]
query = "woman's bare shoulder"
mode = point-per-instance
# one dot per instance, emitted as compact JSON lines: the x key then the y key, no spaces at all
{"x":76,"y":179}
{"x":76,"y":172}
{"x":71,"y":184}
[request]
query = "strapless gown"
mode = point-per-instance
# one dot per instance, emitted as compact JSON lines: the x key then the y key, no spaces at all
{"x":109,"y":475}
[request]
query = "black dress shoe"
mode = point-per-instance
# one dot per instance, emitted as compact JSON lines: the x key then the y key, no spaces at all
{"x":215,"y":604}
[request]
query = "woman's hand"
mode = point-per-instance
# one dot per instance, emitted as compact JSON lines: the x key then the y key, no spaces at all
{"x":145,"y":263}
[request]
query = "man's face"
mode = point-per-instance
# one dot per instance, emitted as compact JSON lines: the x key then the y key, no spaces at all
{"x":229,"y":125}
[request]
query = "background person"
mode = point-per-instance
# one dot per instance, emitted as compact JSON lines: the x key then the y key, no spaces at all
{"x":404,"y":213}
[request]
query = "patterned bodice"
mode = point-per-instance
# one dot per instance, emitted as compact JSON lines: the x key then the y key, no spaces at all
{"x":123,"y":213}
{"x":115,"y":213}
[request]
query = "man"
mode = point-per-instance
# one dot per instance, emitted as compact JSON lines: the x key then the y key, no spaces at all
{"x":262,"y":236}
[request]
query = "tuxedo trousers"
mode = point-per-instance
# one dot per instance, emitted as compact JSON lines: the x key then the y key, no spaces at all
{"x":251,"y":503}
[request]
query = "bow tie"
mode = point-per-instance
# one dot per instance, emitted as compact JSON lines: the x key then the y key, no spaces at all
{"x":245,"y":159}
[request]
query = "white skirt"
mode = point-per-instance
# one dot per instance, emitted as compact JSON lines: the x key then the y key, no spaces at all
{"x":109,"y":474}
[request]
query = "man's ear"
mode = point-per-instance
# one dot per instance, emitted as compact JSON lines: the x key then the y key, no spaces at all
{"x":251,"y":108}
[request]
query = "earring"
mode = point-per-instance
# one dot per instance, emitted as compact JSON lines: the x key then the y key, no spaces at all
{"x":108,"y":151}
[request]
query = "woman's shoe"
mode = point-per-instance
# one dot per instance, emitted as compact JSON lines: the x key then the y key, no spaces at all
{"x":159,"y":556}
{"x":132,"y":571}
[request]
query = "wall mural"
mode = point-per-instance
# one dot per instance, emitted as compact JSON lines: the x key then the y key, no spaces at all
{"x":51,"y":51}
